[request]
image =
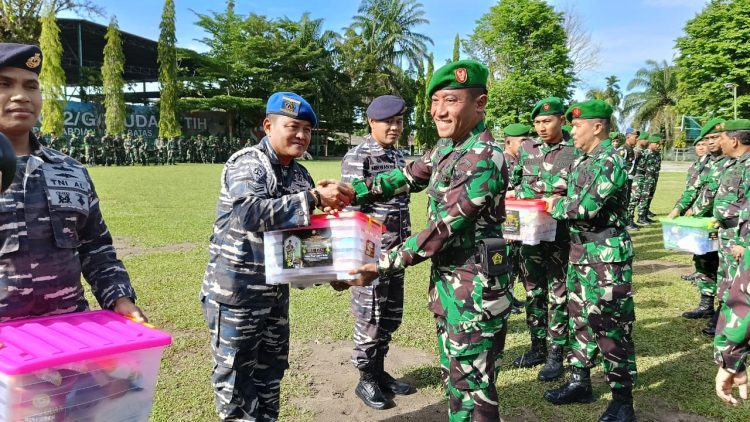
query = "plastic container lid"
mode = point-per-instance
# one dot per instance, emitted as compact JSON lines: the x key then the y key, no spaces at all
{"x":536,"y":204}
{"x":694,"y":222}
{"x":322,"y":220}
{"x":34,"y":344}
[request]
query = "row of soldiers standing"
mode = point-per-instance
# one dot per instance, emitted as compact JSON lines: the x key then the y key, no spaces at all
{"x":642,"y":155}
{"x":129,"y":149}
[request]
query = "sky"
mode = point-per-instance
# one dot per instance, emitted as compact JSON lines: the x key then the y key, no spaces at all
{"x":627,"y":32}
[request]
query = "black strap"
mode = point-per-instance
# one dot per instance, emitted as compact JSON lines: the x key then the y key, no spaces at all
{"x":454,"y":257}
{"x":730,"y":223}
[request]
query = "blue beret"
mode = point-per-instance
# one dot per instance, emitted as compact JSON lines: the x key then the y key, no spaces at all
{"x":385,"y":107}
{"x":23,"y":56}
{"x":630,"y":130}
{"x":291,"y":105}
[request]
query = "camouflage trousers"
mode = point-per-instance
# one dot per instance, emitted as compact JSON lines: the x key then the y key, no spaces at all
{"x":250,"y":348}
{"x":470,"y":365}
{"x":543,"y":276}
{"x":602,"y":313}
{"x":731,"y":343}
{"x":644,"y":196}
{"x":706,"y":266}
{"x":728,"y":265}
{"x":514,"y":259}
{"x":629,"y":190}
{"x":636,"y":192}
{"x":377,"y":310}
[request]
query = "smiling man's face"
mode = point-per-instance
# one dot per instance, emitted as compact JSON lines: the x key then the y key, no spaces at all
{"x":20,"y":101}
{"x":289,"y":137}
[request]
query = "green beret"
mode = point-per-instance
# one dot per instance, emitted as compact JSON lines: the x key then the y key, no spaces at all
{"x":711,"y":126}
{"x":617,"y":135}
{"x":548,"y":107}
{"x":567,"y":128}
{"x":517,"y":129}
{"x":730,"y":125}
{"x":654,"y":139}
{"x":591,"y":109}
{"x":643,"y":135}
{"x":459,"y":75}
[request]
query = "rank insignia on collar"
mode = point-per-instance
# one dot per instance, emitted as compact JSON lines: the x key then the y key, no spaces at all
{"x":34,"y":61}
{"x":497,"y":258}
{"x":546,"y":106}
{"x":461,"y":75}
{"x":576,"y":113}
{"x":290,"y":106}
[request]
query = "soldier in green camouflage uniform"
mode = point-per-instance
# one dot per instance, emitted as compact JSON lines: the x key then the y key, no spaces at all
{"x":699,"y":174}
{"x":600,"y":272}
{"x":465,"y":177}
{"x":641,"y":153}
{"x":172,"y":150}
{"x":627,"y":152}
{"x":732,"y":340}
{"x":645,"y":192}
{"x":90,"y":147}
{"x":542,"y":170}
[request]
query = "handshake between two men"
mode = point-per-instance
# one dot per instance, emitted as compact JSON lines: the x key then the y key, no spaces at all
{"x":332,"y":196}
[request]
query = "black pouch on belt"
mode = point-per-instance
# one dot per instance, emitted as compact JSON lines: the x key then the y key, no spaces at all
{"x":492,"y":256}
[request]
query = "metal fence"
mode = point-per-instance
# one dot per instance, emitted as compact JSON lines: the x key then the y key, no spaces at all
{"x":680,"y":154}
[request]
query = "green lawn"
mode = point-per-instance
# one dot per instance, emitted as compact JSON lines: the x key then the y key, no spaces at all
{"x":158,"y":207}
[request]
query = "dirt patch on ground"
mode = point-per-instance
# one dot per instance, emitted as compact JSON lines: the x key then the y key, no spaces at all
{"x":666,"y":413}
{"x":127,"y":247}
{"x":332,"y":379}
{"x":650,"y":266}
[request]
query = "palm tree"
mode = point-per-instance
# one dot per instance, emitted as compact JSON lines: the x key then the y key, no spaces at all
{"x":387,"y":31}
{"x":611,"y":95}
{"x":655,"y":104}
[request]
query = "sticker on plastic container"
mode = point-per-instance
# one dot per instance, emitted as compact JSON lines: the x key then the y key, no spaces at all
{"x":713,"y":236}
{"x":307,"y":248}
{"x":370,"y":248}
{"x":512,"y":224}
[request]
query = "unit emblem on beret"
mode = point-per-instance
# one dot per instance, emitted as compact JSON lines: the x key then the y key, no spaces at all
{"x":34,"y":61}
{"x":461,"y":75}
{"x":720,"y":126}
{"x":576,"y":113}
{"x":546,"y":106}
{"x":289,"y":106}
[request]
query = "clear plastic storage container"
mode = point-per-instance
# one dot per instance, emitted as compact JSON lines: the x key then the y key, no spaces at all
{"x":86,"y":366}
{"x":527,"y":221}
{"x":324,"y":251}
{"x":697,"y":235}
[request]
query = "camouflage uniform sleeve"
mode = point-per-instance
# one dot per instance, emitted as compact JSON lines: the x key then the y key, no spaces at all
{"x":353,"y":168}
{"x":690,"y":194}
{"x":381,"y":188}
{"x":465,"y":199}
{"x":254,"y":209}
{"x":99,"y":264}
{"x":516,"y":173}
{"x":587,"y":199}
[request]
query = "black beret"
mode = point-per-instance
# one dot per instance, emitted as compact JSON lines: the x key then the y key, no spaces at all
{"x":23,"y":56}
{"x":385,"y":107}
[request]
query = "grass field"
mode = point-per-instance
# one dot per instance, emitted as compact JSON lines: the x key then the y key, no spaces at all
{"x":167,"y":213}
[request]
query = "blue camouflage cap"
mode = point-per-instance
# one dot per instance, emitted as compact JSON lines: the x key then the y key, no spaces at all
{"x":23,"y":56}
{"x":291,"y":105}
{"x":386,"y":106}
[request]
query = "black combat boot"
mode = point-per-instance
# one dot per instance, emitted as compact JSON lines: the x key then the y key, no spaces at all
{"x":705,"y":309}
{"x":517,"y":306}
{"x":632,"y":227}
{"x":535,"y":356}
{"x":553,"y":369}
{"x":650,"y":214}
{"x":369,"y":391}
{"x":710,"y":329}
{"x":576,"y":390}
{"x":389,"y":384}
{"x":620,"y":409}
{"x":643,"y":222}
{"x":690,"y":277}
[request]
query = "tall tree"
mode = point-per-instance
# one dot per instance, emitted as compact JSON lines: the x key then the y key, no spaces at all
{"x":654,"y":105}
{"x":52,"y":77}
{"x":169,"y":126}
{"x":712,"y":53}
{"x":457,"y":48}
{"x":112,"y":81}
{"x":524,"y":44}
{"x":611,"y":94}
{"x":19,"y":19}
{"x":582,"y":50}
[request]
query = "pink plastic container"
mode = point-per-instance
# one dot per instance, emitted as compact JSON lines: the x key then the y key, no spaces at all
{"x":527,"y":221}
{"x":87,"y":366}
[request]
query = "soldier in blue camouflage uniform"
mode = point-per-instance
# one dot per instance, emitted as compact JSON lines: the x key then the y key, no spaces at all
{"x":542,"y":170}
{"x":465,"y":177}
{"x":706,"y":265}
{"x":600,"y":273}
{"x":378,"y":309}
{"x":51,"y":228}
{"x":263,"y":188}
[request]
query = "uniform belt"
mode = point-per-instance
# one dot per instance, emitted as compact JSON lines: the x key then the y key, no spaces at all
{"x":730,"y":223}
{"x":454,"y":257}
{"x":594,"y":236}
